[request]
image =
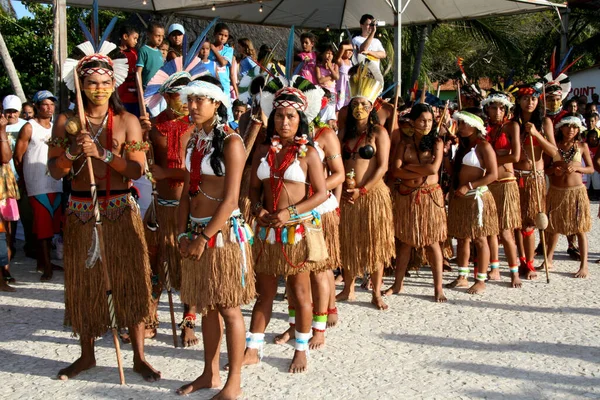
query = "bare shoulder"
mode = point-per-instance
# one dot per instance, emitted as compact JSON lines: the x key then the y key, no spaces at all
{"x":379,"y":130}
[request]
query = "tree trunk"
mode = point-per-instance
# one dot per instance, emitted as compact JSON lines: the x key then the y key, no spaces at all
{"x":15,"y":82}
{"x":419,"y":56}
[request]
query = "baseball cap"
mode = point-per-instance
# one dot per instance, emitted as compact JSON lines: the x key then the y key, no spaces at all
{"x":43,"y":95}
{"x":175,"y":27}
{"x":12,"y":102}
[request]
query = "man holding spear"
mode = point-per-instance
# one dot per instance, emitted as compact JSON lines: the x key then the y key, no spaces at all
{"x":102,"y":150}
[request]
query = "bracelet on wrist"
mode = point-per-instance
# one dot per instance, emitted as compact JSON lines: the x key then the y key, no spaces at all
{"x":256,"y":120}
{"x":70,"y":156}
{"x":256,"y":207}
{"x":293,"y":211}
{"x":182,"y":235}
{"x":107,"y":157}
{"x":363,"y":191}
{"x":204,"y":236}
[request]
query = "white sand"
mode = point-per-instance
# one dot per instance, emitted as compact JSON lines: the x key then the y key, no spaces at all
{"x":537,"y":342}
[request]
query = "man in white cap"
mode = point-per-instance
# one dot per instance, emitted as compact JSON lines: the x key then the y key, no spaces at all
{"x":175,"y":35}
{"x":44,"y":192}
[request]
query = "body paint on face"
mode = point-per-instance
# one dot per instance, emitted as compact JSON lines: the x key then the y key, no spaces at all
{"x":177,"y":106}
{"x":359,"y":112}
{"x":98,"y":96}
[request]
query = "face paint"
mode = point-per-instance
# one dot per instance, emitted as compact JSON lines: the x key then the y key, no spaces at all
{"x":98,"y":96}
{"x":177,"y":106}
{"x":359,"y":112}
{"x":553,"y":107}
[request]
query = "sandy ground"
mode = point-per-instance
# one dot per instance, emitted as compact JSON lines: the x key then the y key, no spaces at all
{"x":537,"y":342}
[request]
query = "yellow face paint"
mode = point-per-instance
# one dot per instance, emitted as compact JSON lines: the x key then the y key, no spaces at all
{"x":359,"y":112}
{"x":98,"y":96}
{"x":175,"y":104}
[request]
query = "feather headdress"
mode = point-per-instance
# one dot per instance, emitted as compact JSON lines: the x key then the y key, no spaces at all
{"x":366,"y":82}
{"x":556,"y":81}
{"x":187,"y":66}
{"x":106,"y":57}
{"x":298,"y":93}
{"x":503,"y":93}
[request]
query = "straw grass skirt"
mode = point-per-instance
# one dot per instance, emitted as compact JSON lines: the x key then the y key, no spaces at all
{"x":127,"y":262}
{"x":568,"y":210}
{"x":530,"y":205}
{"x":219,"y":277}
{"x":331,"y":230}
{"x":421,"y":216}
{"x":508,"y":204}
{"x":367,"y":231}
{"x":463,"y":216}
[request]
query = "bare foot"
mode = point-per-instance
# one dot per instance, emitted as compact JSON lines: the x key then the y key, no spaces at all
{"x":146,"y":371}
{"x":188,"y":337}
{"x":285,"y":336}
{"x":378,"y":302}
{"x":515,"y":281}
{"x":5,"y":287}
{"x":439,"y":296}
{"x":458,"y":282}
{"x":204,"y":381}
{"x":494,"y":274}
{"x":394,"y":289}
{"x":532,"y":275}
{"x":332,"y":320}
{"x":583,"y":272}
{"x":76,"y":368}
{"x":299,"y":363}
{"x":345,"y":296}
{"x":477,"y":288}
{"x":317,"y":341}
{"x":250,"y":358}
{"x":228,"y":394}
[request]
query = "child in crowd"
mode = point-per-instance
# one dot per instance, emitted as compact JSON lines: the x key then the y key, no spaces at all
{"x":344,"y":61}
{"x":27,"y":111}
{"x":175,"y":36}
{"x":308,"y":56}
{"x":127,"y":90}
{"x":248,"y":53}
{"x":239,"y":109}
{"x":150,"y":58}
{"x":593,"y":180}
{"x":164,"y":49}
{"x":222,"y":54}
{"x":204,"y":55}
{"x":327,"y":71}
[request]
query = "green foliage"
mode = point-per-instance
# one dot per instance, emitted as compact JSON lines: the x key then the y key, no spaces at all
{"x":29,"y":41}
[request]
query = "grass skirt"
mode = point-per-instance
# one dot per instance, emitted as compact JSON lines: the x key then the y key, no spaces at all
{"x":506,"y":196}
{"x":367,"y":231}
{"x":530,"y":206}
{"x":463,"y":217}
{"x":331,"y":230}
{"x":218,"y":278}
{"x":421,"y":216}
{"x":568,"y":210}
{"x":128,"y":266}
{"x":244,"y":203}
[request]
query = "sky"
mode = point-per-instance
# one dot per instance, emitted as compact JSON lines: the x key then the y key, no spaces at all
{"x":20,"y":9}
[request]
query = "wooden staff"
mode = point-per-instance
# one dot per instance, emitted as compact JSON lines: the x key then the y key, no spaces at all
{"x":458,"y":91}
{"x":152,"y":222}
{"x":100,"y":236}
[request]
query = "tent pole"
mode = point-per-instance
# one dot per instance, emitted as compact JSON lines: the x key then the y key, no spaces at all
{"x":398,"y":45}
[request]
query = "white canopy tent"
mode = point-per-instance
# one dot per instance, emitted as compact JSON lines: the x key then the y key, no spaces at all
{"x":320,"y":14}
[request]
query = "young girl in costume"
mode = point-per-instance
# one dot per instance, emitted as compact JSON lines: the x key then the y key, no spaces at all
{"x":366,"y":225}
{"x":472,"y":211}
{"x":532,"y":186}
{"x":344,"y":61}
{"x":309,"y":57}
{"x":567,"y":202}
{"x":289,"y":238}
{"x":217,"y":274}
{"x":503,"y":135}
{"x":420,"y":207}
{"x":248,"y":53}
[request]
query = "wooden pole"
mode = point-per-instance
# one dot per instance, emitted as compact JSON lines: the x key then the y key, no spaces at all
{"x":98,"y":227}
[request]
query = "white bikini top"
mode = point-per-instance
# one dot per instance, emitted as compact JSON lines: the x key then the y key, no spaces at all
{"x":471,"y":159}
{"x":319,"y":150}
{"x":294,"y":172}
{"x":206,"y":168}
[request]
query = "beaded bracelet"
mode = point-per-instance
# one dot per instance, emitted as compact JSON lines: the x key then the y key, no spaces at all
{"x":70,"y":156}
{"x":182,"y":235}
{"x":255,"y":120}
{"x":293,"y":211}
{"x":363,"y":191}
{"x":204,"y":236}
{"x":108,"y":156}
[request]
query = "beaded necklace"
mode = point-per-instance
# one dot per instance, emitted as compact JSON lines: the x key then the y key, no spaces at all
{"x":568,"y":155}
{"x":288,"y":158}
{"x":200,"y":147}
{"x":173,"y":130}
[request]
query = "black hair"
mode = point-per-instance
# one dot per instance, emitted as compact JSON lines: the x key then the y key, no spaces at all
{"x":428,"y":141}
{"x":154,"y":25}
{"x":183,"y":81}
{"x":365,"y":17}
{"x":303,"y":127}
{"x":238,"y":103}
{"x":262,"y":52}
{"x":221,"y":26}
{"x":536,"y":119}
{"x":219,"y":134}
{"x":114,"y":101}
{"x":309,"y":35}
{"x":352,"y":132}
{"x":322,"y":49}
{"x":558,"y":135}
{"x":127,"y":29}
{"x":26,"y":104}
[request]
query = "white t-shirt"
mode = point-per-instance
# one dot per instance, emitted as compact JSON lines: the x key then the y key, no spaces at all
{"x":35,"y":161}
{"x":374,"y":46}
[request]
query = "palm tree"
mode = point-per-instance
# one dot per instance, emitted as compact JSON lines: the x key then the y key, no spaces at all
{"x":8,"y":12}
